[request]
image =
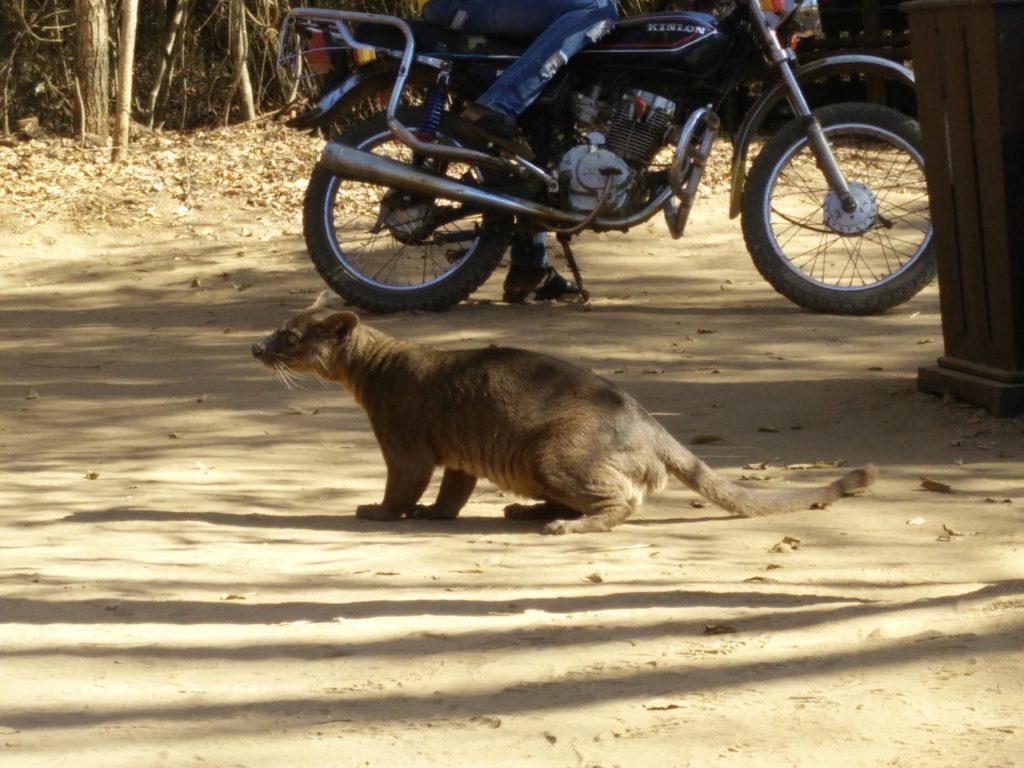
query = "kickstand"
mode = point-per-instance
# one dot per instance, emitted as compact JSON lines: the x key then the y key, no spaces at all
{"x":564,"y":239}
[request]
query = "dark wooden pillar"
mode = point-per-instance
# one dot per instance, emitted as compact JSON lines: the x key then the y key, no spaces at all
{"x":871,"y":24}
{"x":969,"y":64}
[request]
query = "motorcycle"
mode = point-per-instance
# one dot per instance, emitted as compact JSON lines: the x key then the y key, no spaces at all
{"x":410,"y":209}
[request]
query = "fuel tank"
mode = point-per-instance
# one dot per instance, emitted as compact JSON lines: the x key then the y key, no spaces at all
{"x":685,"y":42}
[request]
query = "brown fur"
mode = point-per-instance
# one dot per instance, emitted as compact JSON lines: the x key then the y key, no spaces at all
{"x":532,"y":424}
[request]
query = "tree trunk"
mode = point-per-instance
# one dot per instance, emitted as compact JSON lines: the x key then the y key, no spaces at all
{"x":171,"y":44}
{"x":239,"y":44}
{"x":125,"y":67}
{"x":92,"y":66}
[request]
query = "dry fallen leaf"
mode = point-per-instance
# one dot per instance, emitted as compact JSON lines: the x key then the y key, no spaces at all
{"x":788,"y":544}
{"x":934,"y":486}
{"x":657,"y":707}
{"x":595,"y":578}
{"x":705,"y":439}
{"x":719,"y":629}
{"x":819,"y":465}
{"x":951,"y":534}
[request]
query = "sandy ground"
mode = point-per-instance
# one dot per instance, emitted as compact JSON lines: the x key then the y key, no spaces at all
{"x":184,"y":583}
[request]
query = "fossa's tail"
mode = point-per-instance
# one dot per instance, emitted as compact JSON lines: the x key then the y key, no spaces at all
{"x":756,"y":502}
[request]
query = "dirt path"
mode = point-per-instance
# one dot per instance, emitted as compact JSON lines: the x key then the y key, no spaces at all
{"x":184,"y":582}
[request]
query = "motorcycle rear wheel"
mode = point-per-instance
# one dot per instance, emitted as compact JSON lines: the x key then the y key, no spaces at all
{"x":379,"y":252}
{"x":823,"y":258}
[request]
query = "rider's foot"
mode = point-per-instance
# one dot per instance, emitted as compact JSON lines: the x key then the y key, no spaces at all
{"x":498,"y":123}
{"x":543,"y":282}
{"x":497,"y":128}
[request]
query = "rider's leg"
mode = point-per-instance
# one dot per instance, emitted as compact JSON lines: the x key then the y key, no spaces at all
{"x":529,"y":271}
{"x":561,"y":27}
{"x":569,"y":26}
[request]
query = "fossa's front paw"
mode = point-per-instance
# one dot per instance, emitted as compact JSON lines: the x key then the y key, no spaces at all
{"x":432,"y":512}
{"x":376,"y":512}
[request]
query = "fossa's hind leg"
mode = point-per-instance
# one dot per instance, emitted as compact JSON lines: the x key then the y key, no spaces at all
{"x":604,"y":500}
{"x":610,"y":512}
{"x":546,"y":510}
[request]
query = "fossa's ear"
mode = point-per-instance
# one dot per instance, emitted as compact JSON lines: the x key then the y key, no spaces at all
{"x":328,"y":300}
{"x":340,"y":324}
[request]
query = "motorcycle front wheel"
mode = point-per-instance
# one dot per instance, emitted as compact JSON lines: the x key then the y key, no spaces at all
{"x":385,"y":251}
{"x":808,"y":247}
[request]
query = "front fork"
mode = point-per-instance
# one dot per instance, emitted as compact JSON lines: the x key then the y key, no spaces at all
{"x":782,"y":61}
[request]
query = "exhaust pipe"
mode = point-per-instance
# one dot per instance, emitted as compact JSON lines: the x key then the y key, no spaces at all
{"x":352,"y":163}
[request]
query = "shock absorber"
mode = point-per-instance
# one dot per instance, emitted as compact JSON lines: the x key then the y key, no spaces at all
{"x":433,"y":108}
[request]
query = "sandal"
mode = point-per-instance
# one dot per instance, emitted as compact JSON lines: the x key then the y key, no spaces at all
{"x":543,"y":282}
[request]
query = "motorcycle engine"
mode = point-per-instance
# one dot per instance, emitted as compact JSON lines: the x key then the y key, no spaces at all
{"x":616,"y":150}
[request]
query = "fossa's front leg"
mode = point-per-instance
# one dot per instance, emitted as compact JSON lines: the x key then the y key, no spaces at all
{"x":456,"y":487}
{"x":407,"y":480}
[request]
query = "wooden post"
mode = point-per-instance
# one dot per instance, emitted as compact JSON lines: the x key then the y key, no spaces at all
{"x":871,"y":24}
{"x":969,"y":63}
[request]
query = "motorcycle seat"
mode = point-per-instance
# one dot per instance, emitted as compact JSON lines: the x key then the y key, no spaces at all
{"x":442,"y":43}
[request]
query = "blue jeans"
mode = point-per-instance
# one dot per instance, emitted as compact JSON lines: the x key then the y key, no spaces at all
{"x":529,"y":249}
{"x":561,"y":28}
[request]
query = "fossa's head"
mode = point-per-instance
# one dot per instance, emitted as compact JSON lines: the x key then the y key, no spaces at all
{"x":308,"y":340}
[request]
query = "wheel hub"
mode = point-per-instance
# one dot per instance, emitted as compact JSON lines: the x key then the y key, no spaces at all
{"x":854,"y":222}
{"x":408,"y":219}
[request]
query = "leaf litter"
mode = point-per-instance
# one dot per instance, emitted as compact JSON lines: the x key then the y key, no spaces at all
{"x":263,"y":166}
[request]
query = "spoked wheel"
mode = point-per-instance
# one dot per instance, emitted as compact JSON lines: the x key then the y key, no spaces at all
{"x":388,"y":251}
{"x":821,"y":256}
